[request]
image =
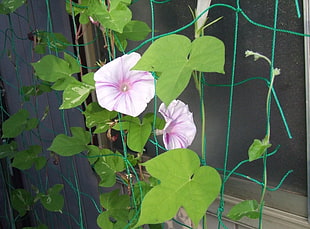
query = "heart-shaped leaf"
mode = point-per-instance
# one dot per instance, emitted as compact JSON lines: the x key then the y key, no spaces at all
{"x":53,"y":200}
{"x":206,"y":54}
{"x":248,"y":208}
{"x":257,"y":149}
{"x":116,"y":210}
{"x":182,"y":183}
{"x":68,"y":146}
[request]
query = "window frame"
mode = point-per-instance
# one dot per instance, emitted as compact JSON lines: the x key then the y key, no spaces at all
{"x":306,"y":7}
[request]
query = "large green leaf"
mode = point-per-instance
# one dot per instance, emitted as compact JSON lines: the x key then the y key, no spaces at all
{"x":17,"y":123}
{"x":21,"y":201}
{"x":174,"y":58}
{"x":68,"y":146}
{"x":182,"y":183}
{"x":116,"y":211}
{"x":53,"y":200}
{"x":248,"y":208}
{"x":9,"y":6}
{"x":25,"y":159}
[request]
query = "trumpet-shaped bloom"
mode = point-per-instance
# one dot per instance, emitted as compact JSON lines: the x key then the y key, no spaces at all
{"x":180,"y":129}
{"x":123,"y":90}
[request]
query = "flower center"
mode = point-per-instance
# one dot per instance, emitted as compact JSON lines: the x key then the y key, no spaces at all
{"x":124,"y":87}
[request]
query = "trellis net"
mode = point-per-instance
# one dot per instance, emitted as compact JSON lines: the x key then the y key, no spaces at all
{"x":31,"y":30}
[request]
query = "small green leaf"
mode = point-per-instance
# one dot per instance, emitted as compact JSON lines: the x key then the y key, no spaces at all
{"x":138,"y":134}
{"x":25,"y":159}
{"x":116,"y":210}
{"x":41,"y":226}
{"x":74,"y":64}
{"x":106,"y":174}
{"x":89,"y":79}
{"x":107,"y":164}
{"x":69,"y":146}
{"x":248,"y":208}
{"x":257,"y":149}
{"x":17,"y":123}
{"x":21,"y":201}
{"x":8,"y":150}
{"x":35,"y":90}
{"x":182,"y":183}
{"x":115,"y":18}
{"x":62,"y":83}
{"x":53,"y":200}
{"x":159,"y":122}
{"x":136,"y":30}
{"x":51,"y":68}
{"x":9,"y":6}
{"x":53,"y":41}
{"x":98,"y":116}
{"x":75,"y":94}
{"x":31,"y":124}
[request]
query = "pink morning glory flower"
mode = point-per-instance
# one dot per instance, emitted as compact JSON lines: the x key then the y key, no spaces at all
{"x":123,"y":90}
{"x":180,"y":129}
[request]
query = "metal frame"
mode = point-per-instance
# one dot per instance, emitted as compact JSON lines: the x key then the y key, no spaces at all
{"x":306,"y":6}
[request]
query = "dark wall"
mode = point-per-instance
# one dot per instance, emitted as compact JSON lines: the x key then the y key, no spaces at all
{"x":248,"y":120}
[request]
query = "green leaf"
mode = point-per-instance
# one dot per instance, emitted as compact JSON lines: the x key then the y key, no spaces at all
{"x":8,"y":150}
{"x":98,"y":116}
{"x":21,"y":201}
{"x":9,"y":6}
{"x":35,"y":90}
{"x":62,"y":83}
{"x":17,"y":123}
{"x":54,"y":41}
{"x":106,"y":174}
{"x":206,"y":54}
{"x":140,"y":189}
{"x":51,"y":68}
{"x":257,"y":149}
{"x":53,"y":200}
{"x":68,"y":146}
{"x":159,"y":122}
{"x":74,"y":64}
{"x":182,"y":183}
{"x":25,"y":159}
{"x":136,"y":30}
{"x":248,"y":208}
{"x":115,"y":18}
{"x":116,"y":210}
{"x":155,"y":226}
{"x":138,"y":134}
{"x":75,"y":94}
{"x":89,"y":79}
{"x":41,"y":226}
{"x":107,"y":164}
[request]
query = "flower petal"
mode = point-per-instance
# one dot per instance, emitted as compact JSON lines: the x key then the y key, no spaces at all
{"x":121,"y":89}
{"x":180,"y":129}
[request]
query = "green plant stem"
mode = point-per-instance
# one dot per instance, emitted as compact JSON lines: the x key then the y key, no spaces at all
{"x":267,"y":138}
{"x":200,"y":86}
